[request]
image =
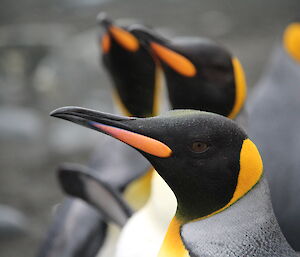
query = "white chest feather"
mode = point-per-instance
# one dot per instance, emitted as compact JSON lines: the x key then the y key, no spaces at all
{"x":144,"y":233}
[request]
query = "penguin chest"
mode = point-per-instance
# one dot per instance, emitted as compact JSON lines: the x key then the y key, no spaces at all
{"x":144,"y":233}
{"x":108,"y":248}
{"x":172,"y":244}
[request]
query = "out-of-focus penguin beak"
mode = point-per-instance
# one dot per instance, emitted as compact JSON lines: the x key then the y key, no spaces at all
{"x":175,"y":60}
{"x":160,"y":48}
{"x":123,"y":37}
{"x":129,"y":130}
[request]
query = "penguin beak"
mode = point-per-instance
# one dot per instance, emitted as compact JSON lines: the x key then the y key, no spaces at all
{"x":126,"y":129}
{"x":159,"y":47}
{"x":123,"y":37}
{"x":174,"y":60}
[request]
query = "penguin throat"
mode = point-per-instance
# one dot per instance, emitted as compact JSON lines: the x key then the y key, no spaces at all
{"x":173,"y":244}
{"x":248,"y":228}
{"x":143,"y":112}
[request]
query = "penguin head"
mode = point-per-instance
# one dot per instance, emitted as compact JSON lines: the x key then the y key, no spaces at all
{"x":207,"y":160}
{"x":131,"y":69}
{"x":200,"y":74}
{"x":291,"y":40}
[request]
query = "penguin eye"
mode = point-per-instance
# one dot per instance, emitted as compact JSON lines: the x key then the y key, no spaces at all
{"x":199,"y":147}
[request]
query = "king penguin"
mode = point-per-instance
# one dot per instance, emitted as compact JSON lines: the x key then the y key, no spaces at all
{"x":77,"y":229}
{"x":131,"y":68}
{"x":218,"y":84}
{"x":274,"y":124}
{"x":214,"y":170}
{"x":144,"y":232}
{"x":200,"y":74}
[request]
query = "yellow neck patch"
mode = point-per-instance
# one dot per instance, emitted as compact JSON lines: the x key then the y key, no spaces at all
{"x":291,"y":40}
{"x":240,"y":88}
{"x":176,"y":61}
{"x":251,"y":170}
{"x":172,"y":245}
{"x":138,"y":191}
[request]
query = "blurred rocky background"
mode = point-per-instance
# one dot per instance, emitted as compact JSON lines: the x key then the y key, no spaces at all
{"x":49,"y":58}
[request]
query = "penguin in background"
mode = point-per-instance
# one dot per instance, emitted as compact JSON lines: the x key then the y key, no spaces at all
{"x":274,"y":124}
{"x":78,"y":229}
{"x":200,"y":74}
{"x":216,"y":174}
{"x":135,"y":78}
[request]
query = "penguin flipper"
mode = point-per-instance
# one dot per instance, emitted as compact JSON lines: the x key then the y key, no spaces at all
{"x":80,"y":181}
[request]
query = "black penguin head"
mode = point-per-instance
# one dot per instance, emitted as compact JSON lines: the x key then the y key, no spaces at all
{"x":206,"y":159}
{"x":131,"y":69}
{"x":291,"y":40}
{"x":200,"y":74}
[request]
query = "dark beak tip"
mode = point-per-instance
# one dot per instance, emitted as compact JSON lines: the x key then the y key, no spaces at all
{"x":64,"y":110}
{"x":102,"y":19}
{"x":53,"y":113}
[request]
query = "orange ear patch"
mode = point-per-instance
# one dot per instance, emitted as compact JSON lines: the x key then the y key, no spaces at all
{"x":124,"y":38}
{"x":144,"y":143}
{"x":105,"y":43}
{"x":291,"y":40}
{"x":176,"y":61}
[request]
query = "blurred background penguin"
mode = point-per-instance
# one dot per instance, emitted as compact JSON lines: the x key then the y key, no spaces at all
{"x":274,"y":124}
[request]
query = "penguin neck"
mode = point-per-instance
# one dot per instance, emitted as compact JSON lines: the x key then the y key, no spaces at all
{"x":253,"y":204}
{"x":242,"y":118}
{"x":248,"y":224}
{"x":159,"y":81}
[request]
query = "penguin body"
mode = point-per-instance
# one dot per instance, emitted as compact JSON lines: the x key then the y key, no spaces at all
{"x":77,"y":180}
{"x":213,"y":65}
{"x":145,"y":230}
{"x":129,"y":70}
{"x":65,"y":238}
{"x":273,"y":123}
{"x":247,"y":228}
{"x":200,"y":74}
{"x":214,"y":170}
{"x":216,"y":74}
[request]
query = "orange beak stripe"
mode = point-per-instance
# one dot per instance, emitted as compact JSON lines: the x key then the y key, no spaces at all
{"x":144,"y":143}
{"x":125,"y":38}
{"x":176,"y":61}
{"x":105,"y":43}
